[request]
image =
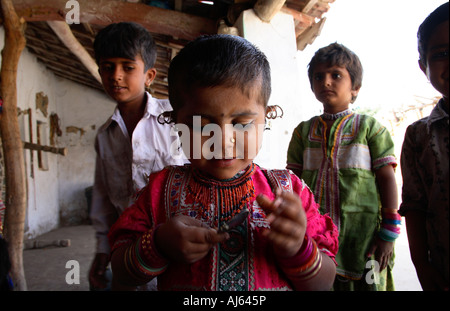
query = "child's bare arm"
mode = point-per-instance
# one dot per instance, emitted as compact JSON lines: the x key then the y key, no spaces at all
{"x":385,"y":177}
{"x":387,"y":185}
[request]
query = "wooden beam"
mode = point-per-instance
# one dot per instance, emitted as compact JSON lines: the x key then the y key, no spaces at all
{"x":266,"y":9}
{"x":64,"y":33}
{"x":309,"y":35}
{"x":309,"y":6}
{"x":16,"y":198}
{"x":302,"y":21}
{"x":105,"y":12}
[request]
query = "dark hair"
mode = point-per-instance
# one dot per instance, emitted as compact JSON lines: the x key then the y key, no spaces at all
{"x":426,"y":29}
{"x":218,"y":60}
{"x":337,"y":54}
{"x":125,"y":40}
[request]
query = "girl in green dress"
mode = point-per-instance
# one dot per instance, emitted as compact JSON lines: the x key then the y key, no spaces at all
{"x":348,"y":161}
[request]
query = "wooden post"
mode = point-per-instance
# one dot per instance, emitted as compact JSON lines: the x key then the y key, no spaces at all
{"x":12,"y":144}
{"x":267,"y":9}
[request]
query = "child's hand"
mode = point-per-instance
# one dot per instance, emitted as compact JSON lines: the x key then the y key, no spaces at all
{"x":287,"y":220}
{"x":186,"y":239}
{"x":383,"y":251}
{"x":97,"y":277}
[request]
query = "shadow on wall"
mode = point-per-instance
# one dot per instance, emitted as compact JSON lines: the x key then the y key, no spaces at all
{"x":79,"y":215}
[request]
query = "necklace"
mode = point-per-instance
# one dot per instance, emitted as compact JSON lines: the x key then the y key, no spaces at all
{"x":335,"y":116}
{"x":231,"y":195}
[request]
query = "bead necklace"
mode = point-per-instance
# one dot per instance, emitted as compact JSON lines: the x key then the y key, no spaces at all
{"x":335,"y":116}
{"x":232,"y":195}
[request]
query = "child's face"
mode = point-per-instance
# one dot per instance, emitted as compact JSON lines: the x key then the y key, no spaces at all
{"x":437,"y":60}
{"x":333,"y":87}
{"x":237,"y":124}
{"x":125,"y":79}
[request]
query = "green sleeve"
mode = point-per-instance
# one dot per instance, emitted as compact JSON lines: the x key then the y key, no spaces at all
{"x":295,"y":149}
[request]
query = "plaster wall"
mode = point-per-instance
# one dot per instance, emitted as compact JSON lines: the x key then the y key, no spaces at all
{"x":56,"y":195}
{"x":277,"y":40}
{"x":82,"y":111}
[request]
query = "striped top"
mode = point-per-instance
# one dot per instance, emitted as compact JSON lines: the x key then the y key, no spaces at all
{"x":341,"y":173}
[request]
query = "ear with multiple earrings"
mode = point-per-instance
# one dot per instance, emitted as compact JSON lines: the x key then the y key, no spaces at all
{"x":273,"y":112}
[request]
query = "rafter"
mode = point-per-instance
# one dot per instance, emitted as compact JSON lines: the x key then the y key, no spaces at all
{"x":104,"y":12}
{"x":64,"y":33}
{"x":267,"y":9}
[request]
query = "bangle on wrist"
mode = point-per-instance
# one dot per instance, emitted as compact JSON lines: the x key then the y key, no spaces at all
{"x":308,"y":261}
{"x":390,"y":224}
{"x":142,"y":260}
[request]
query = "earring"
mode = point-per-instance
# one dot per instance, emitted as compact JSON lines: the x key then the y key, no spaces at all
{"x":232,"y":140}
{"x":165,"y":118}
{"x":272,"y":112}
{"x":268,"y":125}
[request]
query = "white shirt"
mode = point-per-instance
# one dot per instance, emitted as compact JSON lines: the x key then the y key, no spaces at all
{"x":123,"y":166}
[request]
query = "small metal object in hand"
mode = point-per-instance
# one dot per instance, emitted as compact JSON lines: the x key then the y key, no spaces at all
{"x":234,"y":222}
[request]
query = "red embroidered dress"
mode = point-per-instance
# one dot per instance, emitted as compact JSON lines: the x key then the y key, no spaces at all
{"x":245,"y":261}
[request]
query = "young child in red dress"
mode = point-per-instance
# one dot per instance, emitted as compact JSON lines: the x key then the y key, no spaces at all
{"x":174,"y":231}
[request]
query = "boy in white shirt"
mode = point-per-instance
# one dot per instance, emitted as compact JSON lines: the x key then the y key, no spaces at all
{"x":131,"y":144}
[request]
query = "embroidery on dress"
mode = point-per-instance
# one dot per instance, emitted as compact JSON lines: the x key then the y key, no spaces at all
{"x":233,"y":260}
{"x":279,"y":179}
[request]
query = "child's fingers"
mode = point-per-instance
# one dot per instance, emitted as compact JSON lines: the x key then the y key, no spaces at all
{"x":287,"y":238}
{"x":287,"y":220}
{"x":266,"y":204}
{"x":291,"y":207}
{"x":195,"y":239}
{"x":286,"y":204}
{"x":287,"y":227}
{"x":198,"y":232}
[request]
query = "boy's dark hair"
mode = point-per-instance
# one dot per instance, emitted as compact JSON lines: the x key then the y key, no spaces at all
{"x":218,"y":60}
{"x":426,"y":29}
{"x":126,"y":40}
{"x":337,"y":54}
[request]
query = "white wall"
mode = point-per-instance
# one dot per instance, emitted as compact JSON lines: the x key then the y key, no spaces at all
{"x":81,"y":111}
{"x":277,"y":40}
{"x":56,"y":196}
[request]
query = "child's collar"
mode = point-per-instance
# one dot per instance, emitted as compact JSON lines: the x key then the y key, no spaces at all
{"x":335,"y":116}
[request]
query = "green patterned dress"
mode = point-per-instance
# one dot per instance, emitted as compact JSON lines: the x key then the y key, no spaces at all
{"x":340,"y":172}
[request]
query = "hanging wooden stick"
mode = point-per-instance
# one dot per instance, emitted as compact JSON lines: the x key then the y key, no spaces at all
{"x":37,"y":147}
{"x":12,"y":144}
